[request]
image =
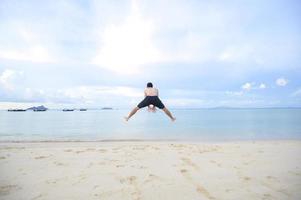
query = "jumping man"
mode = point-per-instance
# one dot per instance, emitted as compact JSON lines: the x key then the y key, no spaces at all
{"x":151,"y":99}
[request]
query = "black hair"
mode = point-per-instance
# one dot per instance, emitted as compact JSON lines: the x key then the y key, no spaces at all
{"x":149,"y":84}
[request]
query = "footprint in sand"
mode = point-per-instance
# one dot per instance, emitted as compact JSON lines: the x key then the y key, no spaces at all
{"x":80,"y":151}
{"x":138,"y":167}
{"x":54,"y":181}
{"x":156,"y":148}
{"x":102,"y":150}
{"x":151,"y":178}
{"x":85,"y":150}
{"x":188,"y":162}
{"x":138,"y":148}
{"x":216,"y":163}
{"x":37,"y":197}
{"x":101,"y":163}
{"x":7,"y":189}
{"x":41,"y":157}
{"x":51,"y":181}
{"x":199,"y":188}
{"x":95,"y":187}
{"x":12,"y":148}
{"x":90,"y":149}
{"x":267,"y":196}
{"x":276,"y":189}
{"x":178,"y":146}
{"x":132,"y":181}
{"x":228,"y":190}
{"x":129,"y":180}
{"x":272,"y":178}
{"x":208,"y":149}
{"x":80,"y":179}
{"x":59,"y":163}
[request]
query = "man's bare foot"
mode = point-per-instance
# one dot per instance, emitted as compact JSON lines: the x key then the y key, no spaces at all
{"x":173,"y":119}
{"x":126,"y":119}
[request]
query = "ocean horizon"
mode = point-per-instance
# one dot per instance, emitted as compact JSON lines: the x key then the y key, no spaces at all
{"x":195,"y":124}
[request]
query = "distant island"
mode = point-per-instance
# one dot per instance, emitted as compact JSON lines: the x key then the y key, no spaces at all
{"x":42,"y":108}
{"x":38,"y":108}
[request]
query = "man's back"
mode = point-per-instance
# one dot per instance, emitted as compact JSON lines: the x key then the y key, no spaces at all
{"x":150,"y":91}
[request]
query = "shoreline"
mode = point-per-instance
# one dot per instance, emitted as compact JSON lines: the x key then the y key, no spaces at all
{"x":155,"y":140}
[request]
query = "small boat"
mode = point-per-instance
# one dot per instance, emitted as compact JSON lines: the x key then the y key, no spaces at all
{"x":16,"y":110}
{"x":106,"y":108}
{"x":68,"y":110}
{"x":83,"y":109}
{"x":39,"y":110}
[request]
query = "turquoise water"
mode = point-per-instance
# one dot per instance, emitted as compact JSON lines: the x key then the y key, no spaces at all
{"x":201,"y":124}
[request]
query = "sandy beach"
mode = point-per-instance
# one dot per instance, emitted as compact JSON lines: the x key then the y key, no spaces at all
{"x":139,"y":170}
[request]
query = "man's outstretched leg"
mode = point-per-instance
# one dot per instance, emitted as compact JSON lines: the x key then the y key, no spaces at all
{"x":131,"y":113}
{"x":168,"y":113}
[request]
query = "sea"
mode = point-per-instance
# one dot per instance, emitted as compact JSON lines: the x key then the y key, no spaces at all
{"x":192,"y":124}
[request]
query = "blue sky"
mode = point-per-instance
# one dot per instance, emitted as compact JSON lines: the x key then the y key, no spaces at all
{"x":238,"y":53}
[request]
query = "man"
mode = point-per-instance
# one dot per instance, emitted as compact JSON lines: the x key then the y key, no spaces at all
{"x":151,"y":99}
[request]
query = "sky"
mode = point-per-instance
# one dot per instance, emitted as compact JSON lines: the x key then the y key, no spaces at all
{"x":199,"y":54}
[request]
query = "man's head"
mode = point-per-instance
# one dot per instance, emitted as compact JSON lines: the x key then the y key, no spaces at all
{"x":149,"y":84}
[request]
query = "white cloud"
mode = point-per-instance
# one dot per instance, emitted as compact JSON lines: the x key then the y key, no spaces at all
{"x":9,"y":77}
{"x":32,"y":54}
{"x":281,"y":82}
{"x":262,"y":86}
{"x":296,"y":93}
{"x":240,"y":54}
{"x":253,"y":86}
{"x":32,"y":50}
{"x":81,"y":94}
{"x":31,"y":94}
{"x":234,"y":93}
{"x":90,"y":94}
{"x":247,"y":86}
{"x":127,"y":46}
{"x":151,"y":33}
{"x":114,"y":90}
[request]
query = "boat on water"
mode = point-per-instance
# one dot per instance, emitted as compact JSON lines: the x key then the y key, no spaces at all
{"x":68,"y":110}
{"x":83,"y":109}
{"x":39,"y":110}
{"x":16,"y":110}
{"x":107,"y":108}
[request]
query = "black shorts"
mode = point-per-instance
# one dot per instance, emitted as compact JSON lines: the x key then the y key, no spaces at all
{"x":148,"y":100}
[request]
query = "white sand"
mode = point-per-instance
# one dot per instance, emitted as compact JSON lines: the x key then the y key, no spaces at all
{"x":151,"y":170}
